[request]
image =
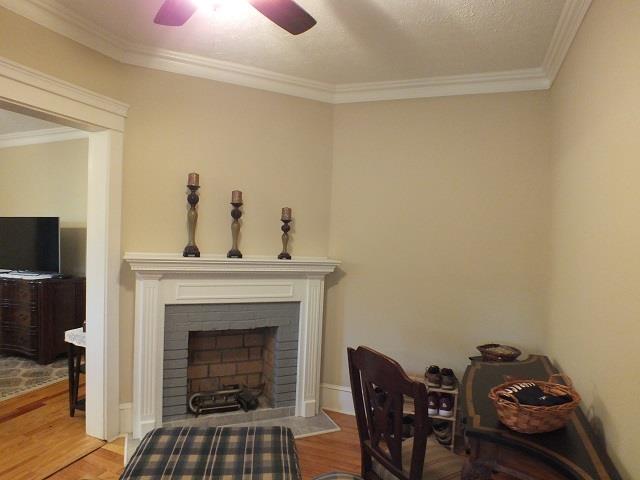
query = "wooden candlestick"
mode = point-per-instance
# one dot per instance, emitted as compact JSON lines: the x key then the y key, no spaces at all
{"x":236,"y":213}
{"x":191,"y":250}
{"x":284,"y":255}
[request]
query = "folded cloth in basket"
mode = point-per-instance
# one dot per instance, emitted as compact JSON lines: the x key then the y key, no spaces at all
{"x":528,"y":393}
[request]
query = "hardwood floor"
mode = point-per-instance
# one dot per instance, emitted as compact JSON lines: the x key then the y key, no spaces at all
{"x":39,"y":440}
{"x":37,"y":436}
{"x":106,"y":463}
{"x":339,"y":451}
{"x":318,"y":454}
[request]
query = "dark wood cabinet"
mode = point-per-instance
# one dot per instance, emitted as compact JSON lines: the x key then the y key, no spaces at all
{"x":34,"y":315}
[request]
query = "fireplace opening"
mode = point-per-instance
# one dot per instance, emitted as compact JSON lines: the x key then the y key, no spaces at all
{"x":230,"y":347}
{"x":230,"y":363}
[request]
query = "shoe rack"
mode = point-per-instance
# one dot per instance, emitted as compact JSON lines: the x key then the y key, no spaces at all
{"x":455,"y":393}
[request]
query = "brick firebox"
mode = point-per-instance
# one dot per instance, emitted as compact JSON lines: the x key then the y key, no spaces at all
{"x":221,"y":358}
{"x":232,"y":333}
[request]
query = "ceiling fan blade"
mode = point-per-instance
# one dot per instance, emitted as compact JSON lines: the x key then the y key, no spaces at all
{"x":286,"y":14}
{"x":175,"y":12}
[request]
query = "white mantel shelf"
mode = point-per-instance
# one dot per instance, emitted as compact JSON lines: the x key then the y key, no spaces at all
{"x":170,"y":279}
{"x":176,"y":263}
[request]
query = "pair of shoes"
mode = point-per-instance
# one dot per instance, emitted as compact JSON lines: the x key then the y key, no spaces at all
{"x":444,"y":378}
{"x":439,"y":404}
{"x":408,"y":426}
{"x":443,"y":432}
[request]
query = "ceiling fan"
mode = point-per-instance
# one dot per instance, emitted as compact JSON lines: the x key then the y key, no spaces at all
{"x":284,"y":13}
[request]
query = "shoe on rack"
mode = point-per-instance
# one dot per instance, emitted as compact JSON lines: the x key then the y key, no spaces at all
{"x":442,"y":432}
{"x":449,"y":380}
{"x":434,"y":379}
{"x":445,"y":406}
{"x":433,"y":403}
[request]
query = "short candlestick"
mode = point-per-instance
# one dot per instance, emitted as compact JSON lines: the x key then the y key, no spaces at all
{"x":284,"y":255}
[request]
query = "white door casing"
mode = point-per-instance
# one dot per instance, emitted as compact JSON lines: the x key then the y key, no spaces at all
{"x":34,"y":93}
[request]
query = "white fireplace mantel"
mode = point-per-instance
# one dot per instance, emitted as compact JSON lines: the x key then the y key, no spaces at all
{"x":163,"y":279}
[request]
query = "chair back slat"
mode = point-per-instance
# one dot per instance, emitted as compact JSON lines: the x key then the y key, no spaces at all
{"x":379,"y":386}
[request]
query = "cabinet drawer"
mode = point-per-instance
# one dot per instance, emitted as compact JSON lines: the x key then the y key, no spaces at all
{"x":18,"y":339}
{"x":18,"y":293}
{"x":18,"y":316}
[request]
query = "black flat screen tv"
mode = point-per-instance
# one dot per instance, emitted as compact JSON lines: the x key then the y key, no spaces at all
{"x":30,"y":243}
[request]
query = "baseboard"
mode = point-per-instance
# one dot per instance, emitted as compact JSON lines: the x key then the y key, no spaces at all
{"x":336,"y":398}
{"x":126,"y":420}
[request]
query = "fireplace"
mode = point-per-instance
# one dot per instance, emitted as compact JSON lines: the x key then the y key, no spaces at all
{"x":211,"y":346}
{"x":215,"y":293}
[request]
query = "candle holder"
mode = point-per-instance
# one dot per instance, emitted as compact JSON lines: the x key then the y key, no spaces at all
{"x":191,"y":250}
{"x":236,"y":213}
{"x":284,"y":255}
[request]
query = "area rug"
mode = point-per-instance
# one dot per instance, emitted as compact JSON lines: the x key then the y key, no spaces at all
{"x":20,"y":375}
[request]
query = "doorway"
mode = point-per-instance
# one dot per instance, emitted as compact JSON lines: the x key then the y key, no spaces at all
{"x":27,"y":91}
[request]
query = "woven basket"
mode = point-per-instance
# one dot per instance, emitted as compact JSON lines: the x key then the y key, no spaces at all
{"x":494,"y":352}
{"x":530,"y":418}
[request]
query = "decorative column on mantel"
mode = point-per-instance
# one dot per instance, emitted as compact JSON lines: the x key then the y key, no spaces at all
{"x":163,"y":279}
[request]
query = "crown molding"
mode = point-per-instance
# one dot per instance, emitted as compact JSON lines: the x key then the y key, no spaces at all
{"x":228,"y":72}
{"x":47,"y":83}
{"x":56,"y":17}
{"x":493,"y":82}
{"x":47,"y":135}
{"x":566,"y":29}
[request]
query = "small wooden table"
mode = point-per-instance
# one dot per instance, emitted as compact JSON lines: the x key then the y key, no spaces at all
{"x":571,"y":452}
{"x":77,"y":340}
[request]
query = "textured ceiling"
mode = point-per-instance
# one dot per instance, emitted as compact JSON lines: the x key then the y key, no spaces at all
{"x":354,"y":41}
{"x":11,"y":122}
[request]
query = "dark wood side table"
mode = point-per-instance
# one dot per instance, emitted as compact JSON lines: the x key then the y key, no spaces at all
{"x":77,"y":341}
{"x":569,"y":453}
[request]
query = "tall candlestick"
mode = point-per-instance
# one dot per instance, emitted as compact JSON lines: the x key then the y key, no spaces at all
{"x":193,"y":180}
{"x":191,"y":250}
{"x":236,"y":213}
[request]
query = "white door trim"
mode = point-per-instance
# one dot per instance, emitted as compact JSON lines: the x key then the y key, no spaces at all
{"x":28,"y":91}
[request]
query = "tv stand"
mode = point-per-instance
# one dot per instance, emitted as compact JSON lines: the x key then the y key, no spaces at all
{"x":35,"y":313}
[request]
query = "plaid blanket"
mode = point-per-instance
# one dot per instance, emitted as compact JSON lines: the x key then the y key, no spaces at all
{"x":221,"y":453}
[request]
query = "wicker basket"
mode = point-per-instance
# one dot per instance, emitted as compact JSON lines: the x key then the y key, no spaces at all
{"x":530,"y":418}
{"x":494,"y":352}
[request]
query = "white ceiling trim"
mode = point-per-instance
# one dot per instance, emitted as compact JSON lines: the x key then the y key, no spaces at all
{"x":47,"y":135}
{"x":494,"y":82}
{"x":47,"y":83}
{"x":60,"y":19}
{"x":570,"y":20}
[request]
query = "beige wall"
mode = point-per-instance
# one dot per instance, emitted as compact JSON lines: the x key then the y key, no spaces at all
{"x":440,"y":215}
{"x":594,"y":325}
{"x":49,"y":179}
{"x":441,"y":209}
{"x":275,"y":148}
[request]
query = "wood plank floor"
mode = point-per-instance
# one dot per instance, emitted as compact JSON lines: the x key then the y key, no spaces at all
{"x":37,"y":436}
{"x":39,"y":440}
{"x":318,"y":454}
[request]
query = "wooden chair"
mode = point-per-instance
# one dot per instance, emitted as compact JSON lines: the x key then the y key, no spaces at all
{"x":379,"y":386}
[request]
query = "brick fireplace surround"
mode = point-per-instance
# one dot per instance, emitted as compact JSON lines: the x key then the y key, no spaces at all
{"x":168,"y":281}
{"x":207,"y":346}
